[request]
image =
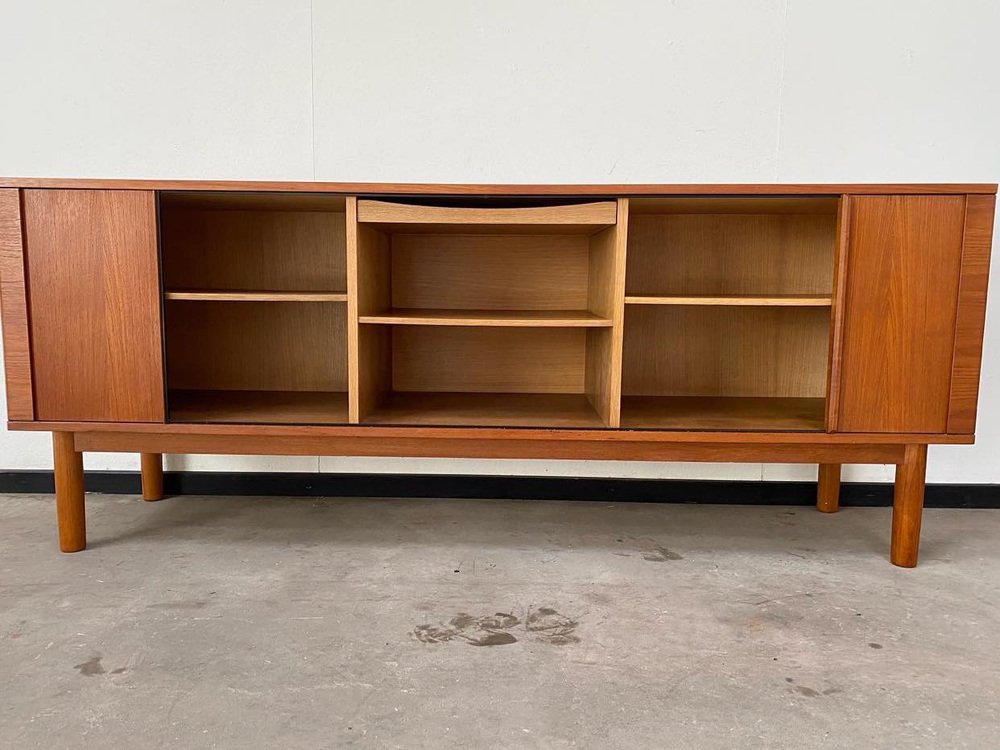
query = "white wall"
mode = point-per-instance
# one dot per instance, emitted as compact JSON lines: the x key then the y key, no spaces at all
{"x":519,"y":91}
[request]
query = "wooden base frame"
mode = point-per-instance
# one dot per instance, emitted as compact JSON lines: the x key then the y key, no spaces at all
{"x":910,"y":460}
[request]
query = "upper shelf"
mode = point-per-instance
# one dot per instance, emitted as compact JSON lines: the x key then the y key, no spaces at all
{"x":748,"y":300}
{"x":211,"y":295}
{"x":494,"y":318}
{"x":567,"y":219}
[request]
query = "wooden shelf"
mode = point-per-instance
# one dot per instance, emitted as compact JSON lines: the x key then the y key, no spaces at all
{"x":582,"y":218}
{"x":749,"y":300}
{"x":495,"y":318}
{"x":485,"y":410}
{"x":258,"y":407}
{"x":722,"y":413}
{"x":205,"y":295}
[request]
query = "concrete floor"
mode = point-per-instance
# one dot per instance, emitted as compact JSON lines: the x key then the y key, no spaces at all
{"x":302,"y":623}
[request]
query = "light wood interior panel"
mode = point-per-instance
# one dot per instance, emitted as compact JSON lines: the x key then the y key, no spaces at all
{"x":606,"y":292}
{"x":678,"y":254}
{"x":257,"y":346}
{"x":375,"y":368}
{"x":489,"y":318}
{"x":259,"y":407}
{"x":722,"y":413}
{"x":488,"y":360}
{"x":493,"y":409}
{"x":770,"y":204}
{"x":229,"y":249}
{"x":723,"y":351}
{"x":490,"y":271}
{"x":581,"y":217}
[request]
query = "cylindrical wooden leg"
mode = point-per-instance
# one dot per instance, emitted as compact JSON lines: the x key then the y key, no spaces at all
{"x":152,"y":476}
{"x":68,"y":464}
{"x":908,"y":506}
{"x":828,"y":488}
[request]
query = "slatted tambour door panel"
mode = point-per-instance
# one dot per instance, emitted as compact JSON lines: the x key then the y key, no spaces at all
{"x":901,"y":299}
{"x":94,"y":290}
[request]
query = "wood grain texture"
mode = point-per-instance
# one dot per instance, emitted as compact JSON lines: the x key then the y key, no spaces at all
{"x":226,"y":249}
{"x":756,"y":205}
{"x":209,"y":200}
{"x":725,"y":351}
{"x":908,"y":506}
{"x":93,"y":276}
{"x":722,"y":413}
{"x":259,"y":407}
{"x":498,"y":433}
{"x":900,"y":310}
{"x":493,"y":409}
{"x":445,"y":189}
{"x":256,"y":346}
{"x":369,"y":291}
{"x":200,"y":295}
{"x":489,"y":271}
{"x":14,"y":309}
{"x":730,"y":254}
{"x":313,"y":444}
{"x":488,"y":360}
{"x":606,"y":294}
{"x":734,"y":300}
{"x":828,"y":488}
{"x":151,"y":473}
{"x":585,"y":217}
{"x":971,"y":317}
{"x":489,"y":318}
{"x":836,"y":350}
{"x":71,"y":515}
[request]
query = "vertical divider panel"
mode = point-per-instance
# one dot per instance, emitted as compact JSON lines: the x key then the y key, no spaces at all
{"x":353,"y":379}
{"x":606,"y":293}
{"x":368,"y":292}
{"x":840,"y":270}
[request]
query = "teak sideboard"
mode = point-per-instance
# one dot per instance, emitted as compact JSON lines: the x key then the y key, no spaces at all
{"x":824,"y":324}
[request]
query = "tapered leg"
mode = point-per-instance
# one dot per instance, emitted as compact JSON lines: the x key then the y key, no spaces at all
{"x":828,"y":488}
{"x":152,"y":476}
{"x":908,"y":506}
{"x":68,"y":464}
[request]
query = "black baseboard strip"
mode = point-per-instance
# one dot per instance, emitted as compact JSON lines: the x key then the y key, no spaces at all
{"x":506,"y":488}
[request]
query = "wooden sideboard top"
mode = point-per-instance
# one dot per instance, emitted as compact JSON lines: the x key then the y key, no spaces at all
{"x":410,"y":188}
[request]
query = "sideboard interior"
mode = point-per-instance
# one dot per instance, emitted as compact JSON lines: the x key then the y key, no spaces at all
{"x":499,"y":312}
{"x":255,"y":307}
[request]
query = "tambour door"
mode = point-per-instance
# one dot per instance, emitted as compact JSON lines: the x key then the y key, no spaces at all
{"x":911,"y":285}
{"x":94,"y":305}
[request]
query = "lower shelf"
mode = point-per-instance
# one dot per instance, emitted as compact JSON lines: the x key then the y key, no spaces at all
{"x":259,"y":407}
{"x":722,"y":413}
{"x":486,"y":410}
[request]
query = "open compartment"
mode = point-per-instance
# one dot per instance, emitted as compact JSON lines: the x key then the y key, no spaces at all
{"x":256,"y":362}
{"x":487,"y":314}
{"x":725,"y":368}
{"x":527,"y":266}
{"x":731,"y":251}
{"x":430,"y":375}
{"x":253,"y":246}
